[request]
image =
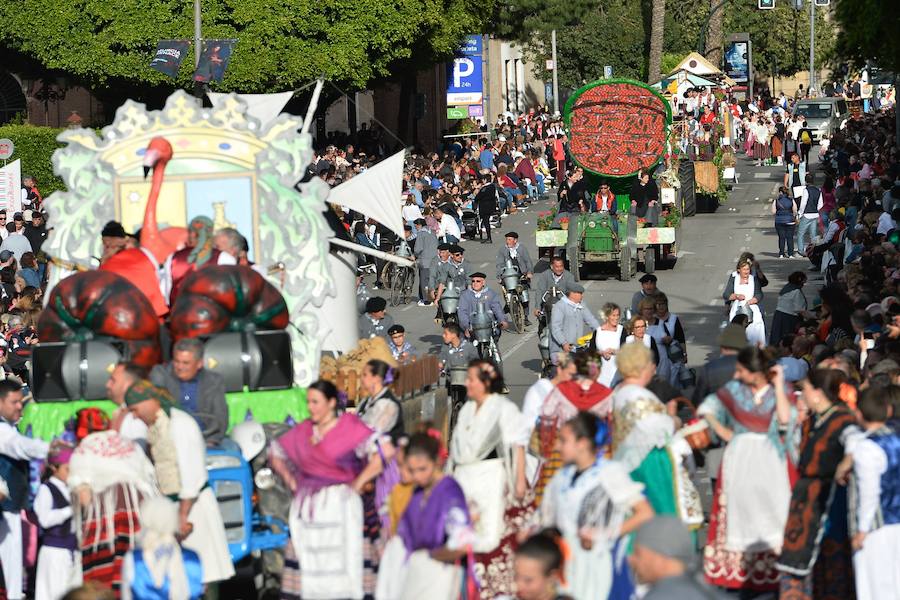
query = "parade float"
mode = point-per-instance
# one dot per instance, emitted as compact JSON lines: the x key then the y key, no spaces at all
{"x":617,"y":129}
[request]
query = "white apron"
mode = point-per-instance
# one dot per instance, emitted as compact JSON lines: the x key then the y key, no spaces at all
{"x":415,"y":576}
{"x":756,"y":331}
{"x":607,"y":340}
{"x":876,"y":566}
{"x":327,"y":535}
{"x":484,"y":484}
{"x":757,"y":494}
{"x":208,"y":538}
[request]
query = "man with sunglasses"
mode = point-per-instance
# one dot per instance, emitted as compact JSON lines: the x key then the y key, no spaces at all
{"x":479,"y":293}
{"x":3,"y":231}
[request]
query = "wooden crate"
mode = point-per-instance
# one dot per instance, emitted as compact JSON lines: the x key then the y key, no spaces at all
{"x":411,"y":379}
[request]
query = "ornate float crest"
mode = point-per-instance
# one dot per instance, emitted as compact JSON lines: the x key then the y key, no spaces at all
{"x":224,"y":166}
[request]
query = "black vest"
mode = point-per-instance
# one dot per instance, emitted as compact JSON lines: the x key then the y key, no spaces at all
{"x":399,"y":430}
{"x":16,"y":474}
{"x":812,"y":203}
{"x":59,"y":536}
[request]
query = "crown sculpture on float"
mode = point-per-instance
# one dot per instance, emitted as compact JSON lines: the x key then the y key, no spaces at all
{"x":216,"y":162}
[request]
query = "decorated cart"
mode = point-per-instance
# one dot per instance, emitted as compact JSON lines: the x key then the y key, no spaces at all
{"x":618,"y":128}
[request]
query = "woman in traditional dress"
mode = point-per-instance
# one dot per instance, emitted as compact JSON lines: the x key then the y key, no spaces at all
{"x":327,"y":460}
{"x":751,"y":413}
{"x":642,"y":440}
{"x":638,"y":334}
{"x":742,"y":294}
{"x":673,"y":341}
{"x":109,"y":477}
{"x":606,"y":342}
{"x":580,"y":392}
{"x":487,"y":459}
{"x":593,"y":502}
{"x":381,"y":411}
{"x":816,"y":559}
{"x":434,"y":532}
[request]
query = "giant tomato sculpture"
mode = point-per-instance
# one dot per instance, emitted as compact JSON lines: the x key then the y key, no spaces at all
{"x":219,"y":298}
{"x":102,"y":304}
{"x":617,"y":127}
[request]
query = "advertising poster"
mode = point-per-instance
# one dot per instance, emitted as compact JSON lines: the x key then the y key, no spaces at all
{"x":11,"y":188}
{"x":169,"y":55}
{"x":465,"y":85}
{"x":737,"y":61}
{"x":214,"y":60}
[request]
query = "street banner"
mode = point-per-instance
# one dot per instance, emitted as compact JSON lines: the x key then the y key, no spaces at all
{"x":214,"y":60}
{"x":169,"y":55}
{"x":11,"y":188}
{"x":264,"y":107}
{"x":465,"y":85}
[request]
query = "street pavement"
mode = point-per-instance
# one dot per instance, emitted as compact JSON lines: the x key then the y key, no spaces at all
{"x":709,"y":248}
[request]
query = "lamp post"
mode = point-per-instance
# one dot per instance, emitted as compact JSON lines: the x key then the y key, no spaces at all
{"x":555,"y":72}
{"x":198,"y":46}
{"x":812,"y":46}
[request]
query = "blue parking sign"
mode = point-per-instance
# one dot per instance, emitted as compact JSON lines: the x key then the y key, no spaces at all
{"x":465,"y":85}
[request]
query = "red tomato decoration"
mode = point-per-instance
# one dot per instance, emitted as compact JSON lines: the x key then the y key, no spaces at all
{"x":101,"y":303}
{"x":226,"y":298}
{"x":617,"y":128}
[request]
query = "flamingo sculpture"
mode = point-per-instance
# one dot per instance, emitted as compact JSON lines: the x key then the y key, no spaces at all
{"x":160,"y":243}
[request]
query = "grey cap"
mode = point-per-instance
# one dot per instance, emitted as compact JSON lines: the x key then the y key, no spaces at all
{"x":574,"y":287}
{"x":668,"y":536}
{"x":886,"y":366}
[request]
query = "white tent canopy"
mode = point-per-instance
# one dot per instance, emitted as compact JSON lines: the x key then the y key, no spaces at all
{"x":375,"y":193}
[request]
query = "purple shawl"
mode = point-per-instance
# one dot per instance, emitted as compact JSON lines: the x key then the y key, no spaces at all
{"x":423,"y":525}
{"x":332,"y":461}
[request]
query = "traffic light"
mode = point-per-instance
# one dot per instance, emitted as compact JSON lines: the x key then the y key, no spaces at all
{"x":766,"y":4}
{"x":823,"y":2}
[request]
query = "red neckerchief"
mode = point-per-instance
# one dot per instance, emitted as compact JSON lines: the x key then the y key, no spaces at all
{"x":584,"y":399}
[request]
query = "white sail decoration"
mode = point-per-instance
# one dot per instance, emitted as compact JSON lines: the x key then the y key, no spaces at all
{"x":375,"y":193}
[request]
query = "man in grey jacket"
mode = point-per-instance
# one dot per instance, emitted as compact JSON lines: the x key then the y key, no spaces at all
{"x":480,"y":294}
{"x":199,"y":391}
{"x":570,"y":320}
{"x":554,"y":277}
{"x":518,"y":255}
{"x":426,"y":252}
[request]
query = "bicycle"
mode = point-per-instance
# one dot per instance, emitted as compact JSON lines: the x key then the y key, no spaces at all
{"x":403,"y":282}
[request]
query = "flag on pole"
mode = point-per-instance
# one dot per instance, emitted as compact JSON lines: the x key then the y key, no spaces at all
{"x":169,"y":55}
{"x":214,"y":60}
{"x":376,"y":193}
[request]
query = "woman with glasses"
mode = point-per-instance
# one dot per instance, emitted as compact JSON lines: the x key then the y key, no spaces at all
{"x":638,"y":329}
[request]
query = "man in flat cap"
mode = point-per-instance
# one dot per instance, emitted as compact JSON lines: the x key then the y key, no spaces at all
{"x":518,"y":256}
{"x":479,"y":293}
{"x":570,"y":320}
{"x":648,"y":288}
{"x":179,"y":458}
{"x":664,"y":559}
{"x":399,"y":346}
{"x":375,"y":322}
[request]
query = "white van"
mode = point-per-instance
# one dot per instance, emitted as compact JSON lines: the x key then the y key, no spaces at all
{"x":824,"y":116}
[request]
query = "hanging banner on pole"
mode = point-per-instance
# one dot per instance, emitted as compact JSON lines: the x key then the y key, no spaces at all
{"x":214,"y":60}
{"x":169,"y":55}
{"x":11,"y":188}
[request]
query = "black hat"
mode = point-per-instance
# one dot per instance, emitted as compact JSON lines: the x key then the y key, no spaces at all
{"x":648,"y":277}
{"x":456,"y":249}
{"x":396,"y":329}
{"x":443,"y":246}
{"x":113,"y":229}
{"x":477,"y":274}
{"x":376,"y":304}
{"x":512,"y":234}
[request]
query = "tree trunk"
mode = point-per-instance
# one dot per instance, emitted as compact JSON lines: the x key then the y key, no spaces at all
{"x":713,"y":50}
{"x":657,"y":25}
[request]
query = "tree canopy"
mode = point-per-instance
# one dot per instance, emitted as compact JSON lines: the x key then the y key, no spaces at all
{"x":281,"y":43}
{"x":868,"y":33}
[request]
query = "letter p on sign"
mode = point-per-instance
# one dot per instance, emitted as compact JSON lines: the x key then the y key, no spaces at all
{"x":462,"y":68}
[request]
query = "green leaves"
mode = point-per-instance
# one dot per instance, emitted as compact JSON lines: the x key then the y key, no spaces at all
{"x":282,"y":43}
